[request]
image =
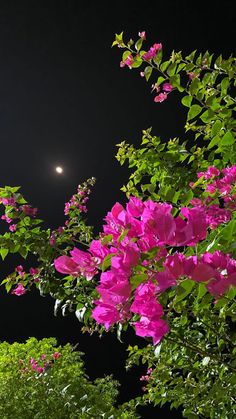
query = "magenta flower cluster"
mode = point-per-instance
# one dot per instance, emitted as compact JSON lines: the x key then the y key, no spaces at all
{"x":129,"y":237}
{"x":39,"y":366}
{"x":12,"y":204}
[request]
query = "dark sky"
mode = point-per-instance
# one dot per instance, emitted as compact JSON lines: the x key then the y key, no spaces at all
{"x":65,"y":100}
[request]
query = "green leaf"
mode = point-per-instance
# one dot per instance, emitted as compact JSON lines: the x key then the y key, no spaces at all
{"x":147,"y":72}
{"x":125,"y":55}
{"x":227,"y":139}
{"x":187,"y":100}
{"x":160,"y":80}
{"x":136,"y":280}
{"x":216,"y":127}
{"x":194,"y":86}
{"x":224,"y":86}
{"x":164,"y":65}
{"x":193,"y":111}
{"x":214,"y":141}
{"x":123,"y":235}
{"x":3,"y":252}
{"x":171,"y":69}
{"x":201,"y":291}
{"x":137,"y":62}
{"x":138,"y":44}
{"x":157,"y":59}
{"x":107,"y":261}
{"x":175,"y":81}
{"x":183,"y":290}
{"x":207,"y":116}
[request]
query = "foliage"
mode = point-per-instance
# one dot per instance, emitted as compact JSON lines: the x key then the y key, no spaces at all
{"x":169,"y":253}
{"x":206,"y":84}
{"x":39,"y":379}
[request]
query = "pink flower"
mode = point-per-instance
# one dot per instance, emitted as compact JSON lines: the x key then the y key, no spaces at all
{"x":155,"y":329}
{"x":135,"y":206}
{"x":33,"y":271}
{"x":128,"y":258}
{"x":40,"y":370}
{"x":19,"y":268}
{"x":160,"y":98}
{"x":216,"y":216}
{"x":202,"y":272}
{"x":52,"y":240}
{"x":8,"y":201}
{"x":142,"y":35}
{"x":158,"y":221}
{"x":67,"y":208}
{"x":114,"y":289}
{"x":175,"y":264}
{"x":165,"y":280}
{"x":147,"y":56}
{"x":105,"y":314}
{"x":20,"y":290}
{"x":128,"y":61}
{"x":212,"y":171}
{"x":148,"y":307}
{"x":12,"y":227}
{"x":7,"y":219}
{"x":56,"y":355}
{"x":211,"y":189}
{"x":85,"y":262}
{"x":197,"y":222}
{"x":43,"y":356}
{"x":191,"y":75}
{"x":167,"y":87}
{"x":28,"y":210}
{"x":196,"y":202}
{"x":98,"y":250}
{"x":66,"y":265}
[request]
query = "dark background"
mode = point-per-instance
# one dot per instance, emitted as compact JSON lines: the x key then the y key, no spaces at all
{"x":65,"y":101}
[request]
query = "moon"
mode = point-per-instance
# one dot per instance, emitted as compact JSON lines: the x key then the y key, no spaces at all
{"x":59,"y":170}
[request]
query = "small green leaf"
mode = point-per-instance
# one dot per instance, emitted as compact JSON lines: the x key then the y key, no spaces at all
{"x":193,"y":111}
{"x":160,"y":80}
{"x":227,"y":139}
{"x":213,"y":142}
{"x":171,"y":69}
{"x":4,"y":252}
{"x":187,"y":100}
{"x":125,"y":55}
{"x":123,"y":235}
{"x":216,"y":127}
{"x":224,"y":85}
{"x":183,"y":290}
{"x":138,"y":44}
{"x":147,"y":72}
{"x":164,"y":65}
{"x":194,"y":86}
{"x":107,"y":261}
{"x":136,"y":280}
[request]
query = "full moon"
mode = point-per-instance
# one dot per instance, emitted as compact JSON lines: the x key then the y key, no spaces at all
{"x":59,"y":169}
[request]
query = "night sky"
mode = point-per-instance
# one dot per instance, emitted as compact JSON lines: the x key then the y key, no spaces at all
{"x":64,"y":100}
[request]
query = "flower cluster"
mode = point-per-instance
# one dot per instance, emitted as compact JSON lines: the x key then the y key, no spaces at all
{"x":131,"y":58}
{"x":21,"y":274}
{"x":79,"y":199}
{"x":13,"y":211}
{"x":41,"y":365}
{"x":133,"y":253}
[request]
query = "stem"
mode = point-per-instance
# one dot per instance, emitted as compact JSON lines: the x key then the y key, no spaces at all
{"x":200,"y":351}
